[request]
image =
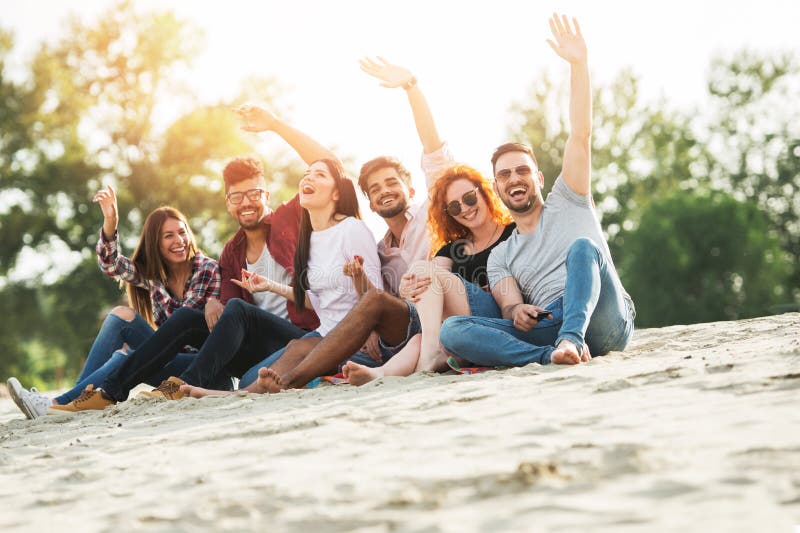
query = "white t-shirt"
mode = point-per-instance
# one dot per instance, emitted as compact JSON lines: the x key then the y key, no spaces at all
{"x":331,"y":292}
{"x":267,"y":267}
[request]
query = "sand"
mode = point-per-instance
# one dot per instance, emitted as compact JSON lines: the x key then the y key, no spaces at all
{"x":693,"y":428}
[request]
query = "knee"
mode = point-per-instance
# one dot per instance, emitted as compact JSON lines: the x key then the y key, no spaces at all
{"x":235,"y":306}
{"x":582,"y":247}
{"x":454,"y":332}
{"x":125,"y":313}
{"x":374,"y":300}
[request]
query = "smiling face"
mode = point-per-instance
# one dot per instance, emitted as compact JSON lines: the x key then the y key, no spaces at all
{"x":388,"y":194}
{"x":518,"y":182}
{"x":318,"y":188}
{"x":174,"y":241}
{"x":471,"y":216}
{"x":249,"y":212}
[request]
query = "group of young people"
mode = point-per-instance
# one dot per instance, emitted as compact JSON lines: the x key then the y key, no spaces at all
{"x":483,"y":270}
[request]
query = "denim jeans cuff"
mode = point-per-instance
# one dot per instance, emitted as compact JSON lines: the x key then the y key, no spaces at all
{"x":571,"y":337}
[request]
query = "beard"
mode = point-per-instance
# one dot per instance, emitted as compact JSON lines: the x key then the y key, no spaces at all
{"x":390,"y":212}
{"x":255,"y":224}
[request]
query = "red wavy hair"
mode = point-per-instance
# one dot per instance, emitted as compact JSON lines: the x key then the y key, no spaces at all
{"x":442,"y":228}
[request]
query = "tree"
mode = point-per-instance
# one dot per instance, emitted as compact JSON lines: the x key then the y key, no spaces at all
{"x":698,"y":257}
{"x":90,"y":112}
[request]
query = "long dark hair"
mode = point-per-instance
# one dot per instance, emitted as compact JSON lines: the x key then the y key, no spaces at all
{"x":347,"y":205}
{"x":149,"y":261}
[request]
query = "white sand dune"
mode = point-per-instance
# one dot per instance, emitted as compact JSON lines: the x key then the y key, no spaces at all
{"x":694,"y":428}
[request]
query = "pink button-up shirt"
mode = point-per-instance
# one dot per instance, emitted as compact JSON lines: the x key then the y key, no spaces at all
{"x":414,"y":241}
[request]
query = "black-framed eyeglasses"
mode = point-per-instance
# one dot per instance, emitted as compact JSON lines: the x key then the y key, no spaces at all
{"x":237,"y":197}
{"x":469,"y":198}
{"x":522,"y":170}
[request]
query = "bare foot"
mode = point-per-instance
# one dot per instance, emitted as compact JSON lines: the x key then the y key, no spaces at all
{"x":435,"y":362}
{"x":268,"y":382}
{"x":358,"y":375}
{"x":566,"y":353}
{"x":200,"y":392}
{"x":585,"y":355}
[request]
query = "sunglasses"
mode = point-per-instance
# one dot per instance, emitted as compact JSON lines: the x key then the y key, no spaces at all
{"x":523,"y":171}
{"x":237,"y":197}
{"x":470,"y":198}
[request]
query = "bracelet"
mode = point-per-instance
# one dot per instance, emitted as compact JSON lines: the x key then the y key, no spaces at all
{"x":410,"y":83}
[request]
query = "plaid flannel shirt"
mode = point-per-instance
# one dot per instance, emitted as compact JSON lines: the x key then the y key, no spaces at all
{"x":204,"y":283}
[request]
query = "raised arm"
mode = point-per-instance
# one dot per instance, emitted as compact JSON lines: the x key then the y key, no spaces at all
{"x":111,"y":261}
{"x":257,"y":119}
{"x":570,"y":46}
{"x":393,"y":76}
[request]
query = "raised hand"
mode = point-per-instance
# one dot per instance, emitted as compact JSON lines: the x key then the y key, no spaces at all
{"x":256,"y":119}
{"x":569,"y":43}
{"x":107,"y":198}
{"x":391,"y":76}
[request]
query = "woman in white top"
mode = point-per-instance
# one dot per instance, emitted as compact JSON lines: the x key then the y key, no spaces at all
{"x":332,"y":238}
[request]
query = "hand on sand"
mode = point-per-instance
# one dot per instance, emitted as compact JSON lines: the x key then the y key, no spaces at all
{"x":412,"y":286}
{"x":566,"y":353}
{"x":391,"y":76}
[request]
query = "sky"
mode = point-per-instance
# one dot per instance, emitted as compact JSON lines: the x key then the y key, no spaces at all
{"x":472,"y":58}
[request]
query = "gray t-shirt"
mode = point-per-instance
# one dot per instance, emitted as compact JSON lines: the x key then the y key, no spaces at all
{"x":538,"y":260}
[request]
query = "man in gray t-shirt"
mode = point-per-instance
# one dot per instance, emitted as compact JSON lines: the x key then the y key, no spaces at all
{"x":561,"y":297}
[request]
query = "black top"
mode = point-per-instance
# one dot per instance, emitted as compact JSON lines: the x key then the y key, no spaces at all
{"x":472,"y":267}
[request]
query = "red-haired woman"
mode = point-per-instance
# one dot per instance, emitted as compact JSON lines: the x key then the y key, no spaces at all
{"x":466,"y":221}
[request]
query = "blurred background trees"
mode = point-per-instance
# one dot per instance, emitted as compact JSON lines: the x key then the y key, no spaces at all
{"x":91,"y":112}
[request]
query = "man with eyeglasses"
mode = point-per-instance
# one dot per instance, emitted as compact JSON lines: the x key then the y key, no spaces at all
{"x":239,"y":330}
{"x":554,"y":279}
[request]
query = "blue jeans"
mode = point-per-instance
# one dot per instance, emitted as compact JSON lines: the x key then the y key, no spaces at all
{"x":481,"y":303}
{"x":251,"y":375}
{"x":103,"y":357}
{"x":96,"y":378}
{"x":114,"y":332}
{"x":593,"y":310}
{"x":387,"y":352}
{"x":241,"y":336}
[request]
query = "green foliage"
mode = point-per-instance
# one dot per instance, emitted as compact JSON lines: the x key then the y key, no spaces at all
{"x":91,"y":112}
{"x":702,"y":257}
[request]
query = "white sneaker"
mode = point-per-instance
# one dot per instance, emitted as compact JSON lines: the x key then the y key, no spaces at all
{"x":32,"y":403}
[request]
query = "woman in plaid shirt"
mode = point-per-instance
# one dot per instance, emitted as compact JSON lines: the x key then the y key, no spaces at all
{"x":165,"y":272}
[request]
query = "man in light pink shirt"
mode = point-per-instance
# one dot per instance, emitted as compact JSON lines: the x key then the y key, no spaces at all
{"x":380,"y":318}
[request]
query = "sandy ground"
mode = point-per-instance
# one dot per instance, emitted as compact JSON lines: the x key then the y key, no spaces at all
{"x":694,"y":428}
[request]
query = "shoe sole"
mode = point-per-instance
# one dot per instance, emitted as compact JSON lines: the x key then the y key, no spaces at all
{"x":14,"y":386}
{"x":51,"y":411}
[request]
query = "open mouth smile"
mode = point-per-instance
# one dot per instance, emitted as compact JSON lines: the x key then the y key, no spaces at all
{"x":517,"y":192}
